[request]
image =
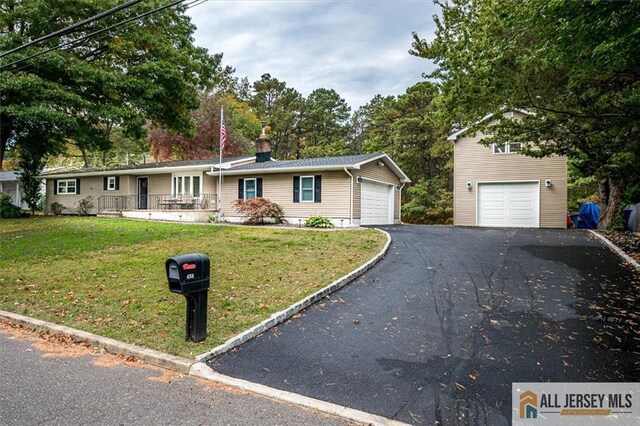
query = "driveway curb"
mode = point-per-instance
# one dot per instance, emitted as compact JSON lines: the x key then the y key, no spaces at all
{"x":287,"y":313}
{"x":150,"y":356}
{"x":618,"y":250}
{"x":202,"y":370}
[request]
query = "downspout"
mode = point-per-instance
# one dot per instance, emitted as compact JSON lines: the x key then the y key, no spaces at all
{"x":350,"y":197}
{"x":400,"y":204}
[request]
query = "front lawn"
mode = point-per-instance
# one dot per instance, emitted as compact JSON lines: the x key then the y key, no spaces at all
{"x":107,"y":276}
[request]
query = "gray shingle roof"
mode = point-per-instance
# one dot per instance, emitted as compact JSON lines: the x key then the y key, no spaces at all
{"x":209,"y":161}
{"x":8,"y":175}
{"x":346,"y":160}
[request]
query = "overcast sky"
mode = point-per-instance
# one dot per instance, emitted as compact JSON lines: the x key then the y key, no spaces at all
{"x":358,"y":48}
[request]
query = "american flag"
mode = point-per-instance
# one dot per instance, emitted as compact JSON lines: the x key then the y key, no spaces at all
{"x":223,"y":135}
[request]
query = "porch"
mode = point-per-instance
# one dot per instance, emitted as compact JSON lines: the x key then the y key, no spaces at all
{"x":116,"y":204}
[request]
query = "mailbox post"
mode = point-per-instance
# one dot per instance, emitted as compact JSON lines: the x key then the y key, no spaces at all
{"x":189,"y":275}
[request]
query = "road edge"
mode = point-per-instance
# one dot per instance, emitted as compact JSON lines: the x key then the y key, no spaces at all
{"x":617,"y":249}
{"x":285,"y":314}
{"x":202,"y":370}
{"x":150,"y":356}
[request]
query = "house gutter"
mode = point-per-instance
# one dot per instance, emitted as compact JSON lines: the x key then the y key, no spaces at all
{"x":350,"y":196}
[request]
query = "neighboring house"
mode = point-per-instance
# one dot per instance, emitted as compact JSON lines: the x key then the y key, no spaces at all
{"x":496,"y":186}
{"x":10,"y":183}
{"x":351,"y":190}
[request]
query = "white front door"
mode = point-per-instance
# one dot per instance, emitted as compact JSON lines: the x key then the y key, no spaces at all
{"x":376,"y":204}
{"x":509,"y":204}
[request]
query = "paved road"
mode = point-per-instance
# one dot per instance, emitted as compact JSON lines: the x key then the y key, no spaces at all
{"x":59,"y":386}
{"x":438,"y":331}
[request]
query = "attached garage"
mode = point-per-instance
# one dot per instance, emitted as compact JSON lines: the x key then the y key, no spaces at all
{"x":509,"y":204}
{"x":376,"y":203}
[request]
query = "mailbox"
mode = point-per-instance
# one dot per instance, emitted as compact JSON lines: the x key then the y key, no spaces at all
{"x":189,"y":275}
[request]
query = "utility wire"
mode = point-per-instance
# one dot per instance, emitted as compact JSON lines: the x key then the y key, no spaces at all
{"x":126,"y":21}
{"x":72,"y":27}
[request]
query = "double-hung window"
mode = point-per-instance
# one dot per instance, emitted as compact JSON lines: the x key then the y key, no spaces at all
{"x":306,"y":189}
{"x":249,"y":188}
{"x":67,"y":186}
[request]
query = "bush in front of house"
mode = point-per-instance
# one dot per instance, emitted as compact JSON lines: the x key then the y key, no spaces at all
{"x":257,"y":209}
{"x":318,"y":222}
{"x":84,"y":206}
{"x":56,"y":208}
{"x":7,"y":209}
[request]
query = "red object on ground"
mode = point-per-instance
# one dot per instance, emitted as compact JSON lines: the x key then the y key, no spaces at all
{"x":570,"y":224}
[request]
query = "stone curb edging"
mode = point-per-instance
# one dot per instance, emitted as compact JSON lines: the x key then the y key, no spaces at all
{"x":161,"y":359}
{"x":202,"y":370}
{"x":617,"y":249}
{"x":287,"y":313}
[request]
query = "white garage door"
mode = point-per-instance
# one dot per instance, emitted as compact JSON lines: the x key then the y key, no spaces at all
{"x":376,"y":204}
{"x":508,"y":204}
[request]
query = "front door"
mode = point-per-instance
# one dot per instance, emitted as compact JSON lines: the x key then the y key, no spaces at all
{"x":143,"y":193}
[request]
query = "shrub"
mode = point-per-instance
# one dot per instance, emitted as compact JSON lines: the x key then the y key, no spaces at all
{"x":318,"y":222}
{"x":257,"y":209}
{"x":84,"y":206}
{"x":7,"y":209}
{"x":56,"y":208}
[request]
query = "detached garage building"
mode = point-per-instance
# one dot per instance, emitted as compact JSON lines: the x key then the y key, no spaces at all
{"x":496,"y":186}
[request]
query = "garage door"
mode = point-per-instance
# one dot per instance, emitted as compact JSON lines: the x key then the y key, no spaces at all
{"x":508,"y":204}
{"x":376,"y":206}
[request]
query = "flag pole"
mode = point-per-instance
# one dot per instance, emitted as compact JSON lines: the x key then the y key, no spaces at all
{"x":222,"y":142}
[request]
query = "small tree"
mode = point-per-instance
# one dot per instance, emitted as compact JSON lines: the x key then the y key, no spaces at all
{"x":256,"y":209}
{"x":31,"y":163}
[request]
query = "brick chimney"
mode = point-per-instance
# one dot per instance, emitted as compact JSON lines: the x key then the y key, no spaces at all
{"x":263,"y":146}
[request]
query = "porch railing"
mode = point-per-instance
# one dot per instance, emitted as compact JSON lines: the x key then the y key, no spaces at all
{"x":119,"y":203}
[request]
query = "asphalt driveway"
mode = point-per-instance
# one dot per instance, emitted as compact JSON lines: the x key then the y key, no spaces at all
{"x":439,"y":329}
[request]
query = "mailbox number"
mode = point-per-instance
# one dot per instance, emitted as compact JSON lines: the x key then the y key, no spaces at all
{"x":191,"y":276}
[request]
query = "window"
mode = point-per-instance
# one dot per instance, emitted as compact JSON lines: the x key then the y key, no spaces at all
{"x":507,"y":148}
{"x":111,"y":183}
{"x":186,"y":185}
{"x":249,"y":188}
{"x":67,"y":186}
{"x":306,"y":188}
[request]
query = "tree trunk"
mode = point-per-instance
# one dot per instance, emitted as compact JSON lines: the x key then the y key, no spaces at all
{"x":85,"y":157}
{"x":615,"y":191}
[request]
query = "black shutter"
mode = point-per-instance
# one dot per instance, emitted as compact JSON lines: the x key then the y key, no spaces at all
{"x":78,"y":186}
{"x":259,"y":187}
{"x":117,"y":183}
{"x":296,"y":189}
{"x":241,"y":188}
{"x":317,"y":189}
{"x":55,"y":187}
{"x":105,"y":183}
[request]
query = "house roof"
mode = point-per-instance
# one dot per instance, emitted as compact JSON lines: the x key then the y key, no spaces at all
{"x":315,"y":164}
{"x":146,"y":167}
{"x":8,"y":176}
{"x":456,"y":135}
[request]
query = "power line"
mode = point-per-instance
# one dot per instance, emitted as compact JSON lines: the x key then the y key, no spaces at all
{"x":72,"y":27}
{"x":126,"y":21}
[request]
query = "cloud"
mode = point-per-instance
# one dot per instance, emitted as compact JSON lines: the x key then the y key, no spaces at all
{"x":357,"y":48}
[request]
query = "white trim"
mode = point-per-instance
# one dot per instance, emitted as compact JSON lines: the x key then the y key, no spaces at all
{"x":509,"y":114}
{"x":403,"y":178}
{"x":313,"y":189}
{"x":362,"y":178}
{"x":75,"y":187}
{"x":186,"y":191}
{"x":480,"y":182}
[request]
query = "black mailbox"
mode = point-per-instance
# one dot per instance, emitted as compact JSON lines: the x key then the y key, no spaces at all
{"x":189,"y":275}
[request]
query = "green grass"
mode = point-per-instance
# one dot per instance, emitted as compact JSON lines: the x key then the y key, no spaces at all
{"x":107,"y":276}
